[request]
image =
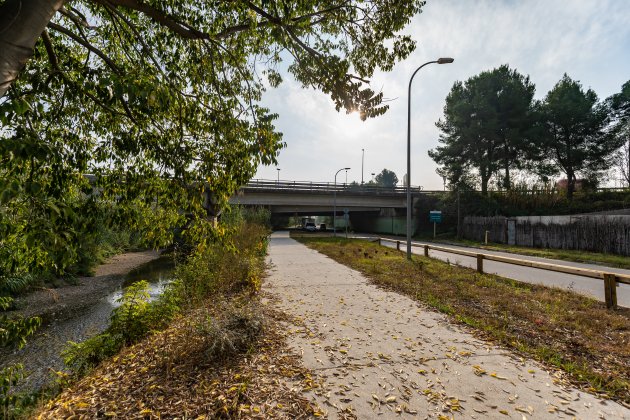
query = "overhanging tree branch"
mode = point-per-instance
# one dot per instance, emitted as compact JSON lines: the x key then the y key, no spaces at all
{"x":86,"y":44}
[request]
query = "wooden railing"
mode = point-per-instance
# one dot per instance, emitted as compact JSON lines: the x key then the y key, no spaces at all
{"x":610,"y":279}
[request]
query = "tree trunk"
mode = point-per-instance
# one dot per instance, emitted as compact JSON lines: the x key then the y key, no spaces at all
{"x":484,"y":182}
{"x":507,"y":183}
{"x":570,"y":184}
{"x":21,"y":24}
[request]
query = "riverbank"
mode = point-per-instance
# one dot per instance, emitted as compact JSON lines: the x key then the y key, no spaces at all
{"x":60,"y":303}
{"x":69,"y":313}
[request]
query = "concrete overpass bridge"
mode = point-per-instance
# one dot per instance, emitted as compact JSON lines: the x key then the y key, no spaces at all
{"x":371,"y":208}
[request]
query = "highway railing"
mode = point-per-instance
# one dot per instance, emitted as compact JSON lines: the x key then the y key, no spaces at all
{"x":610,"y":279}
{"x":306,"y":186}
{"x":271,"y":184}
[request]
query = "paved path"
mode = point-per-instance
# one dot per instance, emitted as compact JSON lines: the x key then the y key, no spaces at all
{"x":583,"y":285}
{"x":382,"y":355}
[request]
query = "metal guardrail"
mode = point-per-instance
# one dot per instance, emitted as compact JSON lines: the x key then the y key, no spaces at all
{"x":306,"y":186}
{"x":610,"y":279}
{"x":270,"y":184}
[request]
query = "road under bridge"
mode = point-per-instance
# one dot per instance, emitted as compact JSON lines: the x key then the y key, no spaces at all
{"x":370,"y":208}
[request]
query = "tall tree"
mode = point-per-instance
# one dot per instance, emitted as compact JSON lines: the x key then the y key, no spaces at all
{"x":386,"y":178}
{"x":486,"y":121}
{"x":160,"y":99}
{"x":573,"y":139}
{"x":619,"y":112}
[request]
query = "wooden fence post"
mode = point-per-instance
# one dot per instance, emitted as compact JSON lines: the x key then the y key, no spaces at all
{"x":426,"y":250}
{"x":397,"y":245}
{"x":480,"y":263}
{"x":610,"y":290}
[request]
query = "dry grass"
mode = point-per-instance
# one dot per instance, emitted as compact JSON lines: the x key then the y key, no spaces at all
{"x":181,"y":372}
{"x":558,"y":327}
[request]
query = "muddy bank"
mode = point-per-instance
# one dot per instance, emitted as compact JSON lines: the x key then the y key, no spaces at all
{"x":75,"y":313}
{"x":61,"y":303}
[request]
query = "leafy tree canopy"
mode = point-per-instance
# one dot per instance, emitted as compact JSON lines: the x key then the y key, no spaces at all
{"x":159,"y":98}
{"x":573,"y":138}
{"x":386,"y":178}
{"x":486,"y":121}
{"x":619,"y":106}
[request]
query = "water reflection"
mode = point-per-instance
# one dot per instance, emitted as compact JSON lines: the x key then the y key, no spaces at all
{"x":43,"y":350}
{"x":159,"y":273}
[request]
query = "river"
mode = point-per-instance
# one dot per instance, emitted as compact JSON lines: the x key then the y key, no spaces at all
{"x":42,"y":353}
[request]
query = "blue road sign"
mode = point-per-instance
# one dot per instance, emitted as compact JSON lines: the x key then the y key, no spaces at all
{"x":435,"y":216}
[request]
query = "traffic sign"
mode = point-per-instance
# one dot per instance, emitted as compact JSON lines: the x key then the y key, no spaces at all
{"x":435,"y":216}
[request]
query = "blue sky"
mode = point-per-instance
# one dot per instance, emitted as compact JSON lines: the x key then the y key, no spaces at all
{"x":588,"y":39}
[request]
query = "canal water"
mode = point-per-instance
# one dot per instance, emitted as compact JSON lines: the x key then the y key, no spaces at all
{"x":42,"y":353}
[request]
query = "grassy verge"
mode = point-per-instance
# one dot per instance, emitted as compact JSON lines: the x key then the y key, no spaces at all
{"x":206,"y":348}
{"x":223,"y":359}
{"x":609,"y":260}
{"x":563,"y":329}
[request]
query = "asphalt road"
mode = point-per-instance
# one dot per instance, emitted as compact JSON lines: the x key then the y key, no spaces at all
{"x":583,"y":285}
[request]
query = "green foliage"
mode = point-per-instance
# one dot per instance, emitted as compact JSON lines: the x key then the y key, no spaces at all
{"x":212,"y":271}
{"x":531,"y":200}
{"x":16,"y":283}
{"x":32,"y":248}
{"x":82,"y":357}
{"x":572,"y":138}
{"x":619,"y":113}
{"x":13,"y":331}
{"x":130,"y":320}
{"x":487,"y":122}
{"x":161,"y":101}
{"x":9,"y":377}
{"x":386,"y":179}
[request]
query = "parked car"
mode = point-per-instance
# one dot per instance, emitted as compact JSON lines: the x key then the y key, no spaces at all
{"x":310,"y":227}
{"x":322,"y":227}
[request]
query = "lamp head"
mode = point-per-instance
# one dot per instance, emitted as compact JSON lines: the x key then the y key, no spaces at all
{"x":445,"y":60}
{"x":346,"y":168}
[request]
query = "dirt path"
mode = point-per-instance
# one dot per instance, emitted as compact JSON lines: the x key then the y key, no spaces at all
{"x":382,"y":354}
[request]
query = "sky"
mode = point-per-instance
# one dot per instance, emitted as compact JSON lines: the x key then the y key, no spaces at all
{"x":587,"y":39}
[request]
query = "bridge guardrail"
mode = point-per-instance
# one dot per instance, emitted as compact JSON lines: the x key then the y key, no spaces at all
{"x":327,"y":186}
{"x":610,"y":279}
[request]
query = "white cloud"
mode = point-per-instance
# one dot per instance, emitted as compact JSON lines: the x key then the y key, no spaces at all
{"x":543,"y":38}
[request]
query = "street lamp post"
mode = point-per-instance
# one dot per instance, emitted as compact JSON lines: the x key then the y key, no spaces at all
{"x":362,"y":159}
{"x":409,"y":206}
{"x":278,"y":169}
{"x":335,"y":202}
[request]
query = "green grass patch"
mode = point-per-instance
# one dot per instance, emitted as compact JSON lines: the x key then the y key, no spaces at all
{"x":560,"y":328}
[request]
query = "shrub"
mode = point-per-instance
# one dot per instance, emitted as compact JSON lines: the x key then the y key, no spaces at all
{"x":130,"y":322}
{"x":9,"y":377}
{"x":83,"y":357}
{"x":234,"y":332}
{"x":214,"y":270}
{"x":13,"y":332}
